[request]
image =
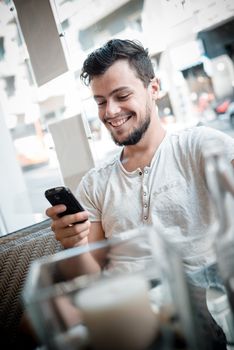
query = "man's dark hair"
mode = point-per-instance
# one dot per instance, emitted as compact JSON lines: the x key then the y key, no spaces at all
{"x":101,"y":59}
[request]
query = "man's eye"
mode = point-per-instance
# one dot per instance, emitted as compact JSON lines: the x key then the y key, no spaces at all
{"x":101,"y":103}
{"x":123,"y":97}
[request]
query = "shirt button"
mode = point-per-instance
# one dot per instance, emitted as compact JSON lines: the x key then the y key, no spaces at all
{"x":145,"y":205}
{"x":145,"y":217}
{"x":140,"y":172}
{"x":146,"y":171}
{"x":144,"y":193}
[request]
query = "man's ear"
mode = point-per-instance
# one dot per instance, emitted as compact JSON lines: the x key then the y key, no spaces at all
{"x":155,"y":87}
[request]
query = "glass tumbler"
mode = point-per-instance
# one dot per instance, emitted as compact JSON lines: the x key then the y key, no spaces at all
{"x":140,"y":300}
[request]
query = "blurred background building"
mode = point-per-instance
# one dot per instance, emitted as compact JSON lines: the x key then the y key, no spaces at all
{"x":191,"y":43}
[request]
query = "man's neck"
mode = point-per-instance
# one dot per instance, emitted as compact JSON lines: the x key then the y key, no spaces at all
{"x":141,"y":154}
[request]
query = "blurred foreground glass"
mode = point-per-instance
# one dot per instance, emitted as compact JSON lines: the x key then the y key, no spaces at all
{"x":220,"y":180}
{"x":140,"y":300}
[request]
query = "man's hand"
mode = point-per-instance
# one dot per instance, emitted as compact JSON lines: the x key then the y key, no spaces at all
{"x":66,"y":233}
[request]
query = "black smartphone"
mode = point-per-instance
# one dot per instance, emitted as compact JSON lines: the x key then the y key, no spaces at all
{"x":63,"y":195}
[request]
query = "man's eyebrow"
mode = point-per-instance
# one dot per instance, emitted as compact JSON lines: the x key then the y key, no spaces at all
{"x":122,"y":88}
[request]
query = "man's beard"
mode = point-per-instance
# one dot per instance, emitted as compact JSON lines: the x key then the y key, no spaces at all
{"x":136,"y":135}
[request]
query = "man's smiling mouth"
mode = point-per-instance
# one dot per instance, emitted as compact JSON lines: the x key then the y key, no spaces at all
{"x":118,"y":122}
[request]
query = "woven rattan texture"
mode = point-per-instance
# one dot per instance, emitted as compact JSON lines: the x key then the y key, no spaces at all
{"x":17,"y":251}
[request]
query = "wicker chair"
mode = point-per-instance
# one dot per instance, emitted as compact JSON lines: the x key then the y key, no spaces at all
{"x":17,"y":251}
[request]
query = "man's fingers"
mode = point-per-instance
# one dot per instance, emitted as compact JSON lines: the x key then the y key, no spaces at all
{"x":74,"y":241}
{"x":53,"y":212}
{"x":71,"y":230}
{"x":68,"y":220}
{"x":67,"y":231}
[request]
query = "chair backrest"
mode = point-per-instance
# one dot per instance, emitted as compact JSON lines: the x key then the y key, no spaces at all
{"x":17,"y":251}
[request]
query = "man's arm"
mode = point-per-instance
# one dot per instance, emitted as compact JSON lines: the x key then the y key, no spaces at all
{"x":94,"y":260}
{"x":77,"y":235}
{"x":96,"y":234}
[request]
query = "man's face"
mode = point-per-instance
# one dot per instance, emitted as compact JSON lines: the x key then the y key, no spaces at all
{"x":124,"y":104}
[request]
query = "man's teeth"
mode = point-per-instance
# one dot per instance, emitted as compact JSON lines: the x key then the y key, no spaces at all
{"x":118,"y":122}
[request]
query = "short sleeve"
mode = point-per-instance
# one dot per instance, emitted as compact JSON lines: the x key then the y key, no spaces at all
{"x":210,"y":137}
{"x":86,"y":194}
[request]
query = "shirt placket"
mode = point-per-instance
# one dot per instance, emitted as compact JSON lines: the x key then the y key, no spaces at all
{"x":145,"y":194}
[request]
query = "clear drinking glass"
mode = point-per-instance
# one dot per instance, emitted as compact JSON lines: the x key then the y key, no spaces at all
{"x":220,"y":179}
{"x":141,"y":300}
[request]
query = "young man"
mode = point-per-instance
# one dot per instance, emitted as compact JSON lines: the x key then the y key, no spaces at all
{"x":156,"y":176}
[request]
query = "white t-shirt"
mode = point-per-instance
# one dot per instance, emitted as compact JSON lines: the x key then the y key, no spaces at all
{"x":172,"y":191}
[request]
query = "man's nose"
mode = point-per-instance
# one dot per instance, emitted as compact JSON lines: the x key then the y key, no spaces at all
{"x":112,"y":108}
